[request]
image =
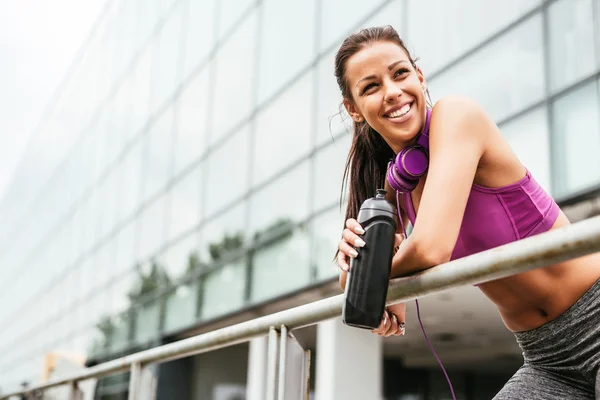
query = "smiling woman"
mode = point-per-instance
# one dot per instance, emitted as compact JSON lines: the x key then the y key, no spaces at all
{"x":474,"y":194}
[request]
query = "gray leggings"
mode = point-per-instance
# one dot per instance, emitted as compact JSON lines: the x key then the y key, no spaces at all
{"x":562,"y":357}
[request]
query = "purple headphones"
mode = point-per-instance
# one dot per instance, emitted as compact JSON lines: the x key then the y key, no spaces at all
{"x":411,"y":163}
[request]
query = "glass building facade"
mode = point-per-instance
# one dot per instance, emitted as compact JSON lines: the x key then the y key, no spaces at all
{"x":190,"y":163}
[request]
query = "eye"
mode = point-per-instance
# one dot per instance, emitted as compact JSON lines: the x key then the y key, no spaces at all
{"x":401,"y":71}
{"x":368,"y":87}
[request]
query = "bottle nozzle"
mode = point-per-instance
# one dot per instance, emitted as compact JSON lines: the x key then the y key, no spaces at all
{"x":381,"y":193}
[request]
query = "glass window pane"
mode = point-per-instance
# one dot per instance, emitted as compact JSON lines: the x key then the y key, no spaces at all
{"x":287,"y":44}
{"x":571,"y":41}
{"x":329,"y":171}
{"x":576,"y":140}
{"x":529,"y":138}
{"x":227,"y":176}
{"x":157,"y":167}
{"x":326,"y":230}
{"x":181,"y":307}
{"x":234,"y":66}
{"x":332,"y":117}
{"x":141,"y":90}
{"x":215,"y":300}
{"x":199,"y":35}
{"x":147,"y":318}
{"x":152,"y":228}
{"x":223,"y":234}
{"x":504,"y":77}
{"x":454,"y":21}
{"x":181,"y":257}
{"x":185,"y":203}
{"x":166,"y":58}
{"x":230,"y":12}
{"x":339,"y":17}
{"x":285,"y":199}
{"x":192,"y":110}
{"x":276,"y":130}
{"x":130,"y":185}
{"x":281,"y":266}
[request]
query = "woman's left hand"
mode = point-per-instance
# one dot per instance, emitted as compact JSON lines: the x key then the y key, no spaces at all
{"x":394,"y":318}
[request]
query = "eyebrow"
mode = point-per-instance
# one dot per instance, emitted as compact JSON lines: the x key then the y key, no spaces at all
{"x":390,"y":67}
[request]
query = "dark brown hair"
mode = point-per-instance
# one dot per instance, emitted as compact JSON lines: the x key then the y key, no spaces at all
{"x":369,"y":154}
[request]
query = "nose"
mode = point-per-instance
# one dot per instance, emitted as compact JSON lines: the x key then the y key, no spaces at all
{"x":392,"y":91}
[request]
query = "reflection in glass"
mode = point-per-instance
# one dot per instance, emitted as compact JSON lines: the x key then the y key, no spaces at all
{"x":281,"y":265}
{"x":215,"y":300}
{"x":283,"y":124}
{"x":227,"y":177}
{"x":502,"y":88}
{"x":571,"y":41}
{"x":181,"y":306}
{"x":529,"y":138}
{"x":192,"y":112}
{"x":576,"y":140}
{"x":329,"y":171}
{"x":286,"y":53}
{"x":223,"y":235}
{"x":233,"y":85}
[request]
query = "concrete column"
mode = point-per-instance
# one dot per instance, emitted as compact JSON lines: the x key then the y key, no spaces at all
{"x":257,"y":369}
{"x":349,"y":363}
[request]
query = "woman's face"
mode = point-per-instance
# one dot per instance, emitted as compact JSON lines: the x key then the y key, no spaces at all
{"x":387,"y":92}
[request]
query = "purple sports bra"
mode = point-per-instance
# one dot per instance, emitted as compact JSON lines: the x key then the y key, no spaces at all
{"x":496,"y":216}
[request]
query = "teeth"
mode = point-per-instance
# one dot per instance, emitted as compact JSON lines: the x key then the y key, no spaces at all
{"x":400,"y":112}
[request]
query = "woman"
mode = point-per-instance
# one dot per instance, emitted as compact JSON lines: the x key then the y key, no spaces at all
{"x":474,"y":196}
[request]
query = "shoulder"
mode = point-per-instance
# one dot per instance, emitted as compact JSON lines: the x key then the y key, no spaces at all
{"x":460,"y":117}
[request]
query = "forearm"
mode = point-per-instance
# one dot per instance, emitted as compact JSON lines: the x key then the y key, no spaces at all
{"x":415,"y":256}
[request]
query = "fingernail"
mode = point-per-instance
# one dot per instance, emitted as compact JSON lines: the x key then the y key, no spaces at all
{"x":402,"y":325}
{"x":345,"y":267}
{"x":385,"y":317}
{"x":359,"y":230}
{"x":353,"y":253}
{"x":359,"y":242}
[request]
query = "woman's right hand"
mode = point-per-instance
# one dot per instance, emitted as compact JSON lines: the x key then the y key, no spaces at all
{"x":351,"y":240}
{"x":351,"y":237}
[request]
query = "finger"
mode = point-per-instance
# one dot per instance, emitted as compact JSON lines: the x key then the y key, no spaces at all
{"x":352,"y":238}
{"x":393,"y":326}
{"x":354,"y":226}
{"x":381,"y":327}
{"x":346,"y":250}
{"x":342,"y":261}
{"x":398,"y":239}
{"x":387,"y":323}
{"x":401,"y":329}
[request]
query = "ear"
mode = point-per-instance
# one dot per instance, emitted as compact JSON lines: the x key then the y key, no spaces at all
{"x":421,"y":78}
{"x":352,"y":111}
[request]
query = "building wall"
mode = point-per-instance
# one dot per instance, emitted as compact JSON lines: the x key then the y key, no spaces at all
{"x":191,"y":161}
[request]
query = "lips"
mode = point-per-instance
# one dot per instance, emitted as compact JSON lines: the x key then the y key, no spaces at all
{"x":398,"y":111}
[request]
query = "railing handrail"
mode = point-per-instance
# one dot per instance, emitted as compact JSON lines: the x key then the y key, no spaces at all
{"x":547,"y":248}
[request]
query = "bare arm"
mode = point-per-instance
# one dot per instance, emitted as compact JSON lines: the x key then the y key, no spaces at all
{"x":457,"y":141}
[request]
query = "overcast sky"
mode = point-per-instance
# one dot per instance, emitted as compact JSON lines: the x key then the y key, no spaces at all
{"x":38,"y":42}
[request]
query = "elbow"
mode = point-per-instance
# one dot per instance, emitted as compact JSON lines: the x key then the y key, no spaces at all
{"x":433,"y":254}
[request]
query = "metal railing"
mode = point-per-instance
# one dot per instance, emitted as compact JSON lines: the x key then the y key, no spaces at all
{"x":548,"y":248}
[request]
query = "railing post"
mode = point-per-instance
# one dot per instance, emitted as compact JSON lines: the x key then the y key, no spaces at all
{"x":282,"y":361}
{"x":74,"y":392}
{"x":272,"y":366}
{"x":134,"y":381}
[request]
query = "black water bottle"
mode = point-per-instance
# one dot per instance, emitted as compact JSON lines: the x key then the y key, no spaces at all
{"x":369,"y":276}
